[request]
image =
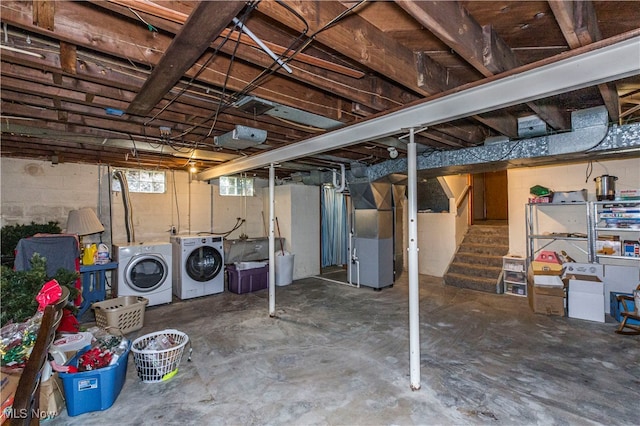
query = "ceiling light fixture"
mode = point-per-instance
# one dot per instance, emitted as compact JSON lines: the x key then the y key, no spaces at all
{"x":393,"y":152}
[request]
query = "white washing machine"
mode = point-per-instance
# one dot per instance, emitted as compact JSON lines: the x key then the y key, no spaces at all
{"x":144,"y":269}
{"x":198,"y":265}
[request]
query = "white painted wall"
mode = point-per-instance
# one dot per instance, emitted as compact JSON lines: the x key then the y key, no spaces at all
{"x":297,"y":208}
{"x":439,"y":234}
{"x":562,"y":178}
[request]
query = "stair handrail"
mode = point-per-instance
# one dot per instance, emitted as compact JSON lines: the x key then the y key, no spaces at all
{"x":463,"y":196}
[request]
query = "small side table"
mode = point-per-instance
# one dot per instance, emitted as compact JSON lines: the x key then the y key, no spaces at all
{"x":94,"y":284}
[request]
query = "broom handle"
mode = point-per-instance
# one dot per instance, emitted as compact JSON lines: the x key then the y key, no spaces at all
{"x":279,"y":237}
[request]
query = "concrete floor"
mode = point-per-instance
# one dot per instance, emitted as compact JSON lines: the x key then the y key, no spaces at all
{"x":337,"y":355}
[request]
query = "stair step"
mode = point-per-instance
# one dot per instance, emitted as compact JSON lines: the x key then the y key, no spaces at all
{"x":478,"y":259}
{"x":488,"y":230}
{"x":487,"y":239}
{"x":488,"y":285}
{"x":484,"y":249}
{"x":475,"y":270}
{"x":478,"y":262}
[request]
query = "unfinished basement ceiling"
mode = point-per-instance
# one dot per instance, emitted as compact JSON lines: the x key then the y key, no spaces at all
{"x":152,"y":84}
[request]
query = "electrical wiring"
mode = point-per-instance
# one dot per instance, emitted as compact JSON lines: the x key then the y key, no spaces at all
{"x":588,"y":171}
{"x":151,"y":27}
{"x":239,"y":222}
{"x":275,"y":65}
{"x":198,"y":73}
{"x":215,"y":114}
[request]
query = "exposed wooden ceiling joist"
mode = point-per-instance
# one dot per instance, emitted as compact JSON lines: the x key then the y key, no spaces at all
{"x":205,"y":23}
{"x":67,"y":66}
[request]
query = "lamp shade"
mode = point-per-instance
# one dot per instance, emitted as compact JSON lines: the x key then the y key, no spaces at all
{"x":83,"y":222}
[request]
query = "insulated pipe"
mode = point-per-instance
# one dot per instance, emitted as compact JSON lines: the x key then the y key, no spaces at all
{"x":414,"y":296}
{"x":272,"y":242}
{"x":342,"y":181}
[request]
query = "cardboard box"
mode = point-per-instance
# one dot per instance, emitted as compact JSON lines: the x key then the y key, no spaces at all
{"x":547,"y":300}
{"x":585,"y":297}
{"x":591,"y":269}
{"x":10,"y":379}
{"x":548,"y":281}
{"x":609,"y":247}
{"x":631,"y":248}
{"x":546,"y":268}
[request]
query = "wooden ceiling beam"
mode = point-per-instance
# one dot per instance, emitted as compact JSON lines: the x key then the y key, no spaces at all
{"x":204,"y":24}
{"x":579,"y":25}
{"x":355,"y":38}
{"x":480,"y":47}
{"x":178,"y":116}
{"x":136,"y":45}
{"x":171,"y":21}
{"x":44,"y":12}
{"x":350,"y":84}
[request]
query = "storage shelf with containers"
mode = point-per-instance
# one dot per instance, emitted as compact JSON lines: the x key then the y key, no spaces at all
{"x":616,"y":230}
{"x":514,"y":273}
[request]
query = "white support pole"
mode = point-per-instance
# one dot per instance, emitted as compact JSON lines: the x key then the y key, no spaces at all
{"x":414,"y":293}
{"x":272,"y":242}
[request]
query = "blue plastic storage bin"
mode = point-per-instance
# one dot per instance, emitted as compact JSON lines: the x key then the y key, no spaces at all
{"x":94,"y":390}
{"x":616,"y":307}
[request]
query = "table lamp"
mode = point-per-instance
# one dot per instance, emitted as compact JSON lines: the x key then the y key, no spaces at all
{"x":83,"y":222}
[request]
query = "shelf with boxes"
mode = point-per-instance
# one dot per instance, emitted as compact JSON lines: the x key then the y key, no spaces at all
{"x":514,"y":275}
{"x":616,"y":230}
{"x":559,"y":227}
{"x":546,"y":289}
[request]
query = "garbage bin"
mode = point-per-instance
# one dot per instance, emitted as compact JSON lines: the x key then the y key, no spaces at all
{"x":284,"y":268}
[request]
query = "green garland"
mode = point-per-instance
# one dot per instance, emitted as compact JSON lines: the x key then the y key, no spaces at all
{"x":18,"y":289}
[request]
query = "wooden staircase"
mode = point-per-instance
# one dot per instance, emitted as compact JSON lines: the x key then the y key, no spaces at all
{"x":478,"y":262}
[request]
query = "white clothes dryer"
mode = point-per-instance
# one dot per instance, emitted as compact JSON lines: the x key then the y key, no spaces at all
{"x":198,"y":265}
{"x":144,"y":269}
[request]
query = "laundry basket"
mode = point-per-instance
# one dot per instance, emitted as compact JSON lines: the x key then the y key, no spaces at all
{"x":158,"y":355}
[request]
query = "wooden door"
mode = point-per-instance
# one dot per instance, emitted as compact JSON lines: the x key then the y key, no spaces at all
{"x":496,"y":195}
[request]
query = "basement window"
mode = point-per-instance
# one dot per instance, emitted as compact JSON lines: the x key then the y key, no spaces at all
{"x":236,"y":186}
{"x":144,"y":181}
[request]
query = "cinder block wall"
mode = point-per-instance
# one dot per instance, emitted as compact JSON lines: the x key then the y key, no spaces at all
{"x":41,"y":192}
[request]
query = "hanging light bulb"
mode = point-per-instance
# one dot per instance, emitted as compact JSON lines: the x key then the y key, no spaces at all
{"x":192,"y":167}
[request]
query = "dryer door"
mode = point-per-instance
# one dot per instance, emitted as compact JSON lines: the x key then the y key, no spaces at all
{"x":146,"y":273}
{"x":204,"y":264}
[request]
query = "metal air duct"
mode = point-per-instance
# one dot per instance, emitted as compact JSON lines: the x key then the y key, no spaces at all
{"x":241,"y":137}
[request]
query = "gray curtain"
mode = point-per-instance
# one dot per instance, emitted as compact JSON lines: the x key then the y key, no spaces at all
{"x":334,"y":227}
